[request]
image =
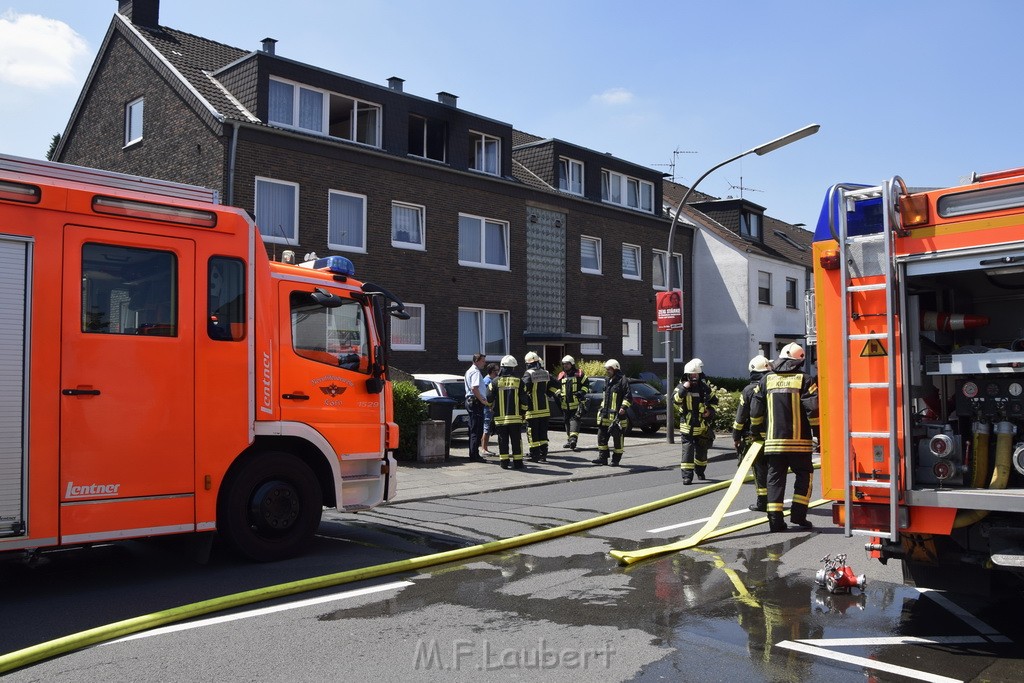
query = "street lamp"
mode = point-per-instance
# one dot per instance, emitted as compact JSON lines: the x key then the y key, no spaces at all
{"x":760,"y":150}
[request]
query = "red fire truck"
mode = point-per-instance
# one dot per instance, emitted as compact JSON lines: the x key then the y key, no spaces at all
{"x":161,"y":375}
{"x":919,"y":307}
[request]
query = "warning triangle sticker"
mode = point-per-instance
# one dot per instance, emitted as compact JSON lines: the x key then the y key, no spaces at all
{"x":872,"y":348}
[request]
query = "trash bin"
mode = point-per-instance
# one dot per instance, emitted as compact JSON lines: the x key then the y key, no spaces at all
{"x":441,"y":408}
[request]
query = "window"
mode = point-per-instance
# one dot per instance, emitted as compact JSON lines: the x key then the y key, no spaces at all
{"x":570,"y":175}
{"x":658,"y":344}
{"x":483,"y":242}
{"x":320,"y":111}
{"x":625,"y":191}
{"x":333,"y":336}
{"x":346,"y":221}
{"x":658,"y":270}
{"x":631,"y":337}
{"x":750,"y":225}
{"x":482,"y":331}
{"x":484,"y":153}
{"x":129,"y":291}
{"x":428,"y":138}
{"x":407,"y":221}
{"x":133,"y":121}
{"x":277,"y":210}
{"x":590,"y":255}
{"x":766,"y":349}
{"x":226,"y":314}
{"x":631,"y":261}
{"x":764,"y":287}
{"x":407,"y":335}
{"x":590,"y":325}
{"x":790,"y":292}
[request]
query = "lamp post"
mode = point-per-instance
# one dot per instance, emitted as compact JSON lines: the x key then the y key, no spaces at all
{"x":760,"y":150}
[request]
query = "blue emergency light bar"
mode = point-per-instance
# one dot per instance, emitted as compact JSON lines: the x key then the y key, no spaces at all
{"x":864,"y":219}
{"x":339,"y":265}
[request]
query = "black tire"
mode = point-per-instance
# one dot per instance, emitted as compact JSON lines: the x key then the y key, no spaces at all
{"x":650,"y":429}
{"x":269,"y":507}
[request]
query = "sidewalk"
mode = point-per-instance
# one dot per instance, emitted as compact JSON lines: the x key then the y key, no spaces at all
{"x":460,"y":476}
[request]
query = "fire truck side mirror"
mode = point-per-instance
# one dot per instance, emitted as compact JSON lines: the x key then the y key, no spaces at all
{"x":326,"y":299}
{"x":375,"y":384}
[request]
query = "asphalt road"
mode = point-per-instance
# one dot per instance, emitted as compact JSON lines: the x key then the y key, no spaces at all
{"x":742,"y":607}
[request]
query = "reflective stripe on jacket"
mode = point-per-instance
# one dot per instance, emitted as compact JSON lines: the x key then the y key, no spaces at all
{"x":784,"y":409}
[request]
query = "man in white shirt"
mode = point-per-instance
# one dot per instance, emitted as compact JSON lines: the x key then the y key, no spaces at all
{"x":476,"y":399}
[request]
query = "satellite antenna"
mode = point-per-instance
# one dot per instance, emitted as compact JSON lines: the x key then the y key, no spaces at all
{"x":672,"y":166}
{"x":741,"y":187}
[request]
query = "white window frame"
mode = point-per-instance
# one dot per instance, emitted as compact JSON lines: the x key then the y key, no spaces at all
{"x":417,"y":312}
{"x":631,"y":329}
{"x":483,"y":221}
{"x":273,"y":235}
{"x":133,"y":132}
{"x":568,"y":170}
{"x":597,"y":250}
{"x":792,"y":284}
{"x":479,"y":144}
{"x":660,"y":254}
{"x":658,"y":340}
{"x":615,"y":189}
{"x":338,"y":246}
{"x":328,"y":99}
{"x":750,"y":225}
{"x":590,"y":347}
{"x":481,"y":332}
{"x":421,"y":214}
{"x":638,"y":251}
{"x":759,"y":288}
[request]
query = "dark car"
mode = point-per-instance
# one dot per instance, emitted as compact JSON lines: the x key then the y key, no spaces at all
{"x":646,"y":412}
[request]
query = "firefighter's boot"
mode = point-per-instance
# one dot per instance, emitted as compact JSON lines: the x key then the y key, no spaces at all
{"x":601,"y":459}
{"x":616,"y":457}
{"x":506,"y":463}
{"x":518,"y":464}
{"x":776,"y":522}
{"x":572,"y":443}
{"x":687,"y":476}
{"x":798,"y":515}
{"x":760,"y":506}
{"x":699,"y":471}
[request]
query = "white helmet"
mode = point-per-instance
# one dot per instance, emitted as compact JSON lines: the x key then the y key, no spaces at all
{"x":532,"y":357}
{"x":509,"y":362}
{"x":612,"y":363}
{"x":792,"y":351}
{"x":694,"y":367}
{"x":570,"y":360}
{"x":759,"y":364}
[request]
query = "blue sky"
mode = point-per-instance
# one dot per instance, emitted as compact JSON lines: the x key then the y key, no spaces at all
{"x":922,"y":89}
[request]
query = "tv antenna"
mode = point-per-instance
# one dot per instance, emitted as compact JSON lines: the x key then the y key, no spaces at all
{"x":672,"y":166}
{"x":741,"y":187}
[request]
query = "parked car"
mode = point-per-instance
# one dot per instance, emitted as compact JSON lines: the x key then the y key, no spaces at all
{"x":450,"y":386}
{"x":647,"y":411}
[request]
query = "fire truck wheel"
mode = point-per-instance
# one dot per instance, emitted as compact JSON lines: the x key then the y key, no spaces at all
{"x":270,"y":507}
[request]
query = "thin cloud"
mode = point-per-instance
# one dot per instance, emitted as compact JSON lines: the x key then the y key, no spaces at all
{"x":614,"y":97}
{"x":37,"y":52}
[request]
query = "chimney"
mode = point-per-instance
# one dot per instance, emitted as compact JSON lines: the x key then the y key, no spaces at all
{"x":395,"y":83}
{"x":447,"y":98}
{"x":268,"y":45}
{"x":140,"y":12}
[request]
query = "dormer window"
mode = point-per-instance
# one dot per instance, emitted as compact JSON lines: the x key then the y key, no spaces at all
{"x":624,"y":190}
{"x":484,"y":153}
{"x":318,"y":111}
{"x":570,"y":175}
{"x":750,"y":225}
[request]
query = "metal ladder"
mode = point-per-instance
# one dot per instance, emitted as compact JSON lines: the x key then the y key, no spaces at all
{"x":854,"y":481}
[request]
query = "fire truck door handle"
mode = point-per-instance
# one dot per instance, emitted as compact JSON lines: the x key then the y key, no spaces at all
{"x":295,"y":397}
{"x":80,"y":392}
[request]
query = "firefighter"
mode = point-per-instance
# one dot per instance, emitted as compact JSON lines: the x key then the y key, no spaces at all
{"x":573,"y":387}
{"x":741,"y":434}
{"x":784,"y":412}
{"x":611,"y":417}
{"x":694,"y":404}
{"x":508,"y":401}
{"x":537,"y":385}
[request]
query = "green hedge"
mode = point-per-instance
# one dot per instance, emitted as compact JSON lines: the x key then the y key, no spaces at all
{"x":410,"y":410}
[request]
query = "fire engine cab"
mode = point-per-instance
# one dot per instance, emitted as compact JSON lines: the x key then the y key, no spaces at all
{"x":161,"y":375}
{"x":919,"y":311}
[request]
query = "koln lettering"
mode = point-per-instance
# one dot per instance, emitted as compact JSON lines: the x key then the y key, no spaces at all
{"x":90,"y":490}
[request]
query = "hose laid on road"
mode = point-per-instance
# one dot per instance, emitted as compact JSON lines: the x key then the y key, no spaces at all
{"x":119,"y":629}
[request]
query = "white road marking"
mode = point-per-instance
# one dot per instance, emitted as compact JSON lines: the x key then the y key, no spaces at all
{"x":394,"y":585}
{"x":701,"y":521}
{"x":866,"y":663}
{"x":971,"y":620}
{"x":897,"y":640}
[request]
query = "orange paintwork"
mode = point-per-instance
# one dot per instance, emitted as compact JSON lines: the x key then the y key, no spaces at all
{"x":148,"y":453}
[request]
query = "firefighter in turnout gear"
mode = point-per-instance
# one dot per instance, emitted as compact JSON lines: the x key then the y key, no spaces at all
{"x":508,"y":401}
{"x":611,"y":417}
{"x":536,"y":384}
{"x":572,"y":390}
{"x":784,"y":411}
{"x":694,"y":404}
{"x":741,"y":434}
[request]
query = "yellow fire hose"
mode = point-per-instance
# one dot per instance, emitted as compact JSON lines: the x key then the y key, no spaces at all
{"x":119,"y":629}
